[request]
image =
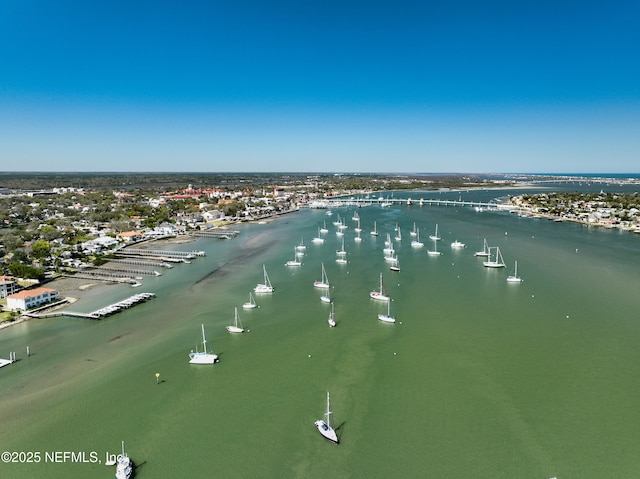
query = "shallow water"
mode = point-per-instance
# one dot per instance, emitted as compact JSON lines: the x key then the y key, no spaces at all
{"x":478,"y":378}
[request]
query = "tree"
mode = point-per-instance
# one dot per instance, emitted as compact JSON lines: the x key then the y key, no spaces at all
{"x":40,"y":249}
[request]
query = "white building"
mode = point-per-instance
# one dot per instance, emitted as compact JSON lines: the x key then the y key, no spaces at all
{"x":7,"y":286}
{"x":30,"y":298}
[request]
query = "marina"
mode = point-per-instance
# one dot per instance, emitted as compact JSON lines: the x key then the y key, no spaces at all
{"x":475,"y":370}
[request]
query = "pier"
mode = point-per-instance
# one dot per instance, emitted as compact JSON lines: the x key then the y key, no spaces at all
{"x":99,"y":313}
{"x":124,"y":259}
{"x":216,"y":233}
{"x":161,"y":253}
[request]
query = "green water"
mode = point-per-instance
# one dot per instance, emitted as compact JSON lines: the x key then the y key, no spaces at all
{"x":478,"y":378}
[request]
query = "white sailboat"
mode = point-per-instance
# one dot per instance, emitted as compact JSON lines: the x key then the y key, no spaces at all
{"x":301,"y":246}
{"x":391,"y":257}
{"x":457,"y":244}
{"x":416,"y":243}
{"x":236,"y":327}
{"x":434,"y":251}
{"x":324,"y":229}
{"x":251,"y":303}
{"x":435,"y":236}
{"x":341,"y":252}
{"x":294,"y":261}
{"x":338,"y":221}
{"x":395,"y":265}
{"x":515,"y":278}
{"x":318,"y":239}
{"x":266,"y":286}
{"x":387,"y":318}
{"x":485,"y":250}
{"x":357,"y":238}
{"x":399,"y":234}
{"x":356,"y":216}
{"x":388,"y":249}
{"x":498,"y":262}
{"x":357,"y":229}
{"x":332,"y":318}
{"x":206,"y":356}
{"x":414,"y":232}
{"x":379,"y":295}
{"x":324,"y":281}
{"x":326,"y":297}
{"x":374,"y":232}
{"x":324,"y":426}
{"x":124,"y":466}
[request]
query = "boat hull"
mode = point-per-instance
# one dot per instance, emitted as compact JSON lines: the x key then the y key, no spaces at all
{"x":386,"y":319}
{"x":378,"y":296}
{"x":203,"y":358}
{"x":327,"y":431}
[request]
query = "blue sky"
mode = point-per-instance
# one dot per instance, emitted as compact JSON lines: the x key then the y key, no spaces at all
{"x":349,"y":86}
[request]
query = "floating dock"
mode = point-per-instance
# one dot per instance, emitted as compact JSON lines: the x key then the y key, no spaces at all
{"x":99,"y":313}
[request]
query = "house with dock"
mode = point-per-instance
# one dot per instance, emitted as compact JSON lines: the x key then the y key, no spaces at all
{"x":30,"y":298}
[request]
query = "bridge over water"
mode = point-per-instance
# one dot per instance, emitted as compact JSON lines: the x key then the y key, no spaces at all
{"x":386,"y":202}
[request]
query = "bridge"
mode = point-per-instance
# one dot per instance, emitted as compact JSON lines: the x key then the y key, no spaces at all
{"x":386,"y":202}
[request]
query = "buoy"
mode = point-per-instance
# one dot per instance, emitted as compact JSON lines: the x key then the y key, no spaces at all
{"x":309,"y":355}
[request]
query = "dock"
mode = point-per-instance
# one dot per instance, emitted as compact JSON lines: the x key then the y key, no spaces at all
{"x":216,"y":233}
{"x":99,"y":313}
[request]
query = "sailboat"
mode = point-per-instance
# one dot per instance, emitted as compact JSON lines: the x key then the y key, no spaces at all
{"x":457,"y":244}
{"x":435,"y":236}
{"x":236,"y":327}
{"x":357,"y":229}
{"x":206,"y":356}
{"x":341,"y":255}
{"x":338,"y":221}
{"x":434,"y":251}
{"x":399,"y":234}
{"x":332,"y":319}
{"x":485,"y":250}
{"x":324,"y":229}
{"x":301,"y":246}
{"x":124,"y":466}
{"x":395,"y":265}
{"x":388,"y":249}
{"x":251,"y":303}
{"x":294,"y":261}
{"x":416,"y":243}
{"x":391,"y":257}
{"x":414,"y":232}
{"x":379,"y":295}
{"x":387,"y":318}
{"x":326,"y":297}
{"x":356,"y":216}
{"x":318,"y":239}
{"x":357,"y":238}
{"x":515,"y":278}
{"x":324,"y":426}
{"x":498,"y":262}
{"x":374,"y":232}
{"x":266,"y":286}
{"x":324,"y":281}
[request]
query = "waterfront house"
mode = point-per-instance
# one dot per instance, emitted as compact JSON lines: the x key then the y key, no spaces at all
{"x":30,"y":298}
{"x":8,"y":286}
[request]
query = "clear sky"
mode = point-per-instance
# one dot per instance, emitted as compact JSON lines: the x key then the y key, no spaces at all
{"x":306,"y":85}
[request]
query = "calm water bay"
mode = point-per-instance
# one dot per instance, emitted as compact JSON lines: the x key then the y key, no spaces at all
{"x":478,"y":378}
